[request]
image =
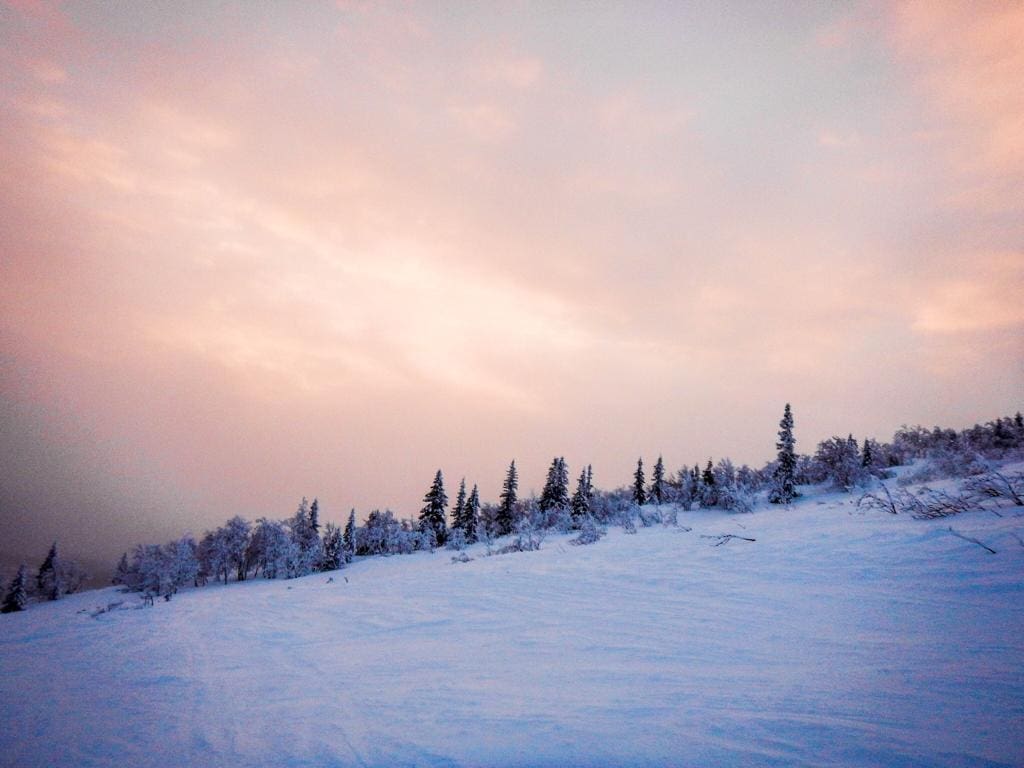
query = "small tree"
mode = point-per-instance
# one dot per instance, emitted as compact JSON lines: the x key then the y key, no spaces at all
{"x":639,"y":484}
{"x":784,"y":481}
{"x":17,"y":593}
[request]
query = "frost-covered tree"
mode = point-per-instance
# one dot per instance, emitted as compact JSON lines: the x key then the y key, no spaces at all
{"x":657,"y":494}
{"x":305,"y":537}
{"x":838,"y":461}
{"x":555,"y":495}
{"x":272,"y":551}
{"x":639,"y":484}
{"x":182,"y":562}
{"x":783,"y":489}
{"x":17,"y":592}
{"x":866,"y":457}
{"x":236,"y":541}
{"x":214,"y":558}
{"x":334,"y":555}
{"x":687,"y":495}
{"x":505,"y":516}
{"x":433,"y":512}
{"x":380,"y":535}
{"x":349,"y":537}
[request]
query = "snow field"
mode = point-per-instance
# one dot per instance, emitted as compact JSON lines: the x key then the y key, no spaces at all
{"x":838,"y":637}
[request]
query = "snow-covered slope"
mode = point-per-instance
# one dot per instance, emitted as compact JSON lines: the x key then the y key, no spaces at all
{"x":838,"y":637}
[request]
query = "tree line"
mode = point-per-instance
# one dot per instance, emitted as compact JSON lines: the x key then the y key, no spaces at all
{"x":299,"y":545}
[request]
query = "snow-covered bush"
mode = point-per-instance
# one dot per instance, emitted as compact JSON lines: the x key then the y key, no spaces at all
{"x":456,"y":540}
{"x":590,"y":532}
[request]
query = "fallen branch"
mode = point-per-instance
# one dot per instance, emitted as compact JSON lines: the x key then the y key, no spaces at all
{"x":724,"y":538}
{"x":972,"y":540}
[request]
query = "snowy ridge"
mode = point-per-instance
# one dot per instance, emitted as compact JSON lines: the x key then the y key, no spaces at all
{"x":840,"y":636}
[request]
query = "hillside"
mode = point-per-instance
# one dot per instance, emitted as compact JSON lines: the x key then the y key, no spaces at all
{"x":838,"y":637}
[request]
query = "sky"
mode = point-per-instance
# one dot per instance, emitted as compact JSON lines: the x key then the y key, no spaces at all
{"x":255,"y":251}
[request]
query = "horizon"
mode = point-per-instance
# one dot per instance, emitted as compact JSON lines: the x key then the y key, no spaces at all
{"x":251,"y":252}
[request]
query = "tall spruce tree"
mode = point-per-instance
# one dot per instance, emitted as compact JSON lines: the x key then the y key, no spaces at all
{"x":556,"y":488}
{"x":866,"y":459}
{"x":349,"y":537}
{"x":658,"y":482}
{"x":784,"y":479}
{"x":17,"y":593}
{"x":505,"y":519}
{"x":432,"y":514}
{"x":472,"y":515}
{"x":459,"y":510}
{"x":639,"y":484}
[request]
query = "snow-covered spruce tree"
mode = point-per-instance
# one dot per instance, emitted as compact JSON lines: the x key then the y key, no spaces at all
{"x":687,"y":489}
{"x":17,"y":593}
{"x":581,"y":499}
{"x":708,"y":487}
{"x":505,"y":517}
{"x":639,"y":484}
{"x":47,"y":583}
{"x":657,"y":494}
{"x":121,"y":572}
{"x":348,"y":539}
{"x":314,"y":516}
{"x":472,"y":515}
{"x":333,"y":557}
{"x":783,"y":489}
{"x":555,"y":495}
{"x":432,"y":514}
{"x":459,"y":510}
{"x":310,"y":549}
{"x":866,"y":459}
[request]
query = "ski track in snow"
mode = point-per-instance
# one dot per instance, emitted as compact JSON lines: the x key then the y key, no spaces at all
{"x":839,"y":637}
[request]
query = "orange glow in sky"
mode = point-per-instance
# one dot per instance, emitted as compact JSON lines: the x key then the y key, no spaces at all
{"x":250,"y":252}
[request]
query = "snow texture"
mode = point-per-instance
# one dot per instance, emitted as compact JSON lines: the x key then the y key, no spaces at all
{"x":839,"y":636}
